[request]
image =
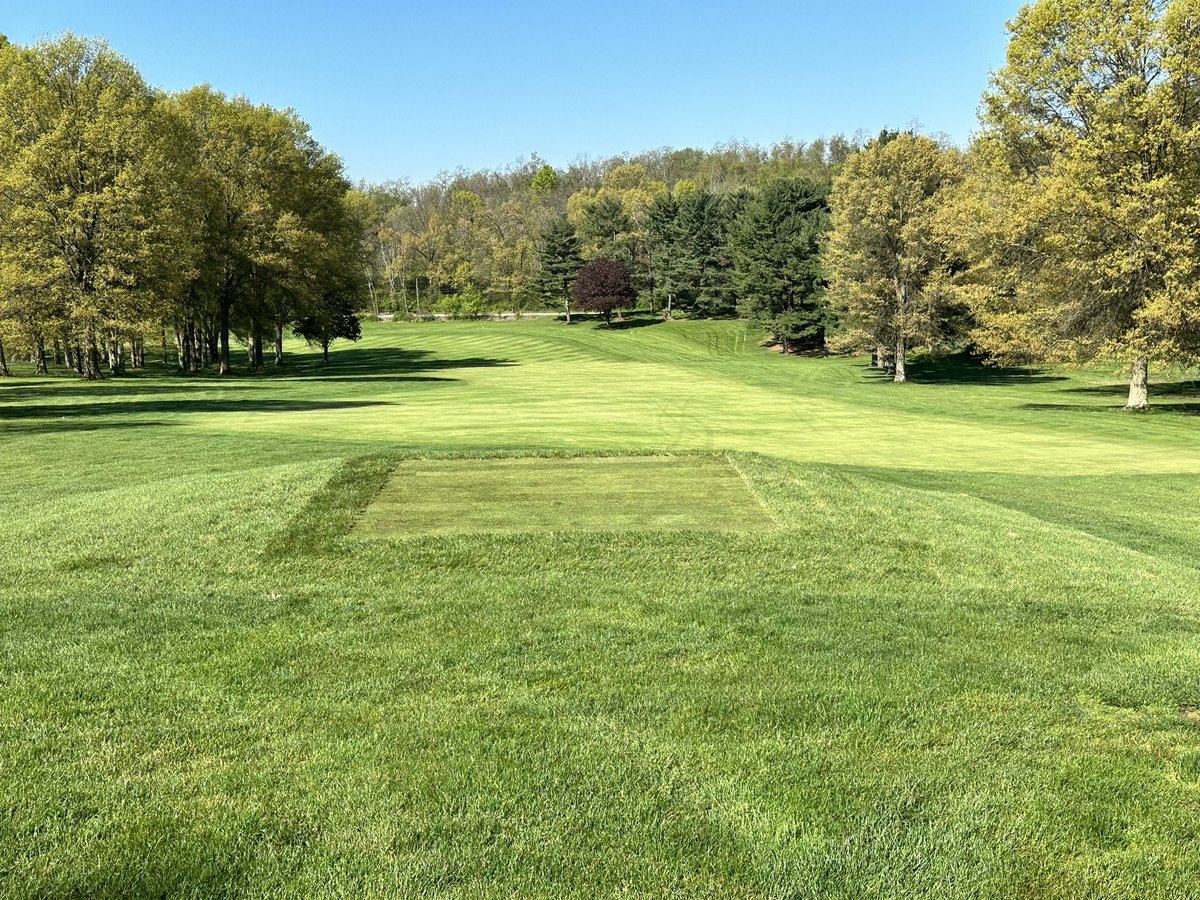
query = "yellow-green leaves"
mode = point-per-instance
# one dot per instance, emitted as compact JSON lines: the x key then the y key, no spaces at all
{"x":886,"y":260}
{"x":1086,"y":227}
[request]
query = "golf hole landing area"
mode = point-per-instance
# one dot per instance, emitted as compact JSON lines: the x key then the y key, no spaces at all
{"x":619,"y":493}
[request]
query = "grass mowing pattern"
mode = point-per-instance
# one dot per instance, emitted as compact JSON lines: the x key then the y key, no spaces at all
{"x":963,"y":665}
{"x":613,"y":493}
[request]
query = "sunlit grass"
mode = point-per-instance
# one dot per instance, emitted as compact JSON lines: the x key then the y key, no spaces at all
{"x":960,"y":661}
{"x":590,"y":493}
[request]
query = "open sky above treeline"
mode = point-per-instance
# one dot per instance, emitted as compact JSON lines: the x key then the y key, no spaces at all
{"x":406,"y":90}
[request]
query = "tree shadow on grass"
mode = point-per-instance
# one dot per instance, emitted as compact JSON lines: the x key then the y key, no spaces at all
{"x":632,"y":322}
{"x":961,"y":368}
{"x":54,"y":388}
{"x":1157,"y":389}
{"x":59,"y":426}
{"x":377,"y":363}
{"x":351,"y":363}
{"x":1184,"y":409}
{"x":74,"y":412}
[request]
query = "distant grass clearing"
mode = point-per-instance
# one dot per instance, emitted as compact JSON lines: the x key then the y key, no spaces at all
{"x":687,"y":493}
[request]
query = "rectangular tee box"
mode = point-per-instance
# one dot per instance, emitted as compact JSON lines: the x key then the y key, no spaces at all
{"x":618,"y":493}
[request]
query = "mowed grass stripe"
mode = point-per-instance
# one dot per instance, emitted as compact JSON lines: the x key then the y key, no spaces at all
{"x":690,"y":493}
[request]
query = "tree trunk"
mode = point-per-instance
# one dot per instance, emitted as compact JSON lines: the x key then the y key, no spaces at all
{"x":901,"y":376}
{"x":223,"y":327}
{"x":91,"y":358}
{"x":279,"y":342}
{"x":567,"y":306}
{"x":4,"y":373}
{"x":210,"y":344}
{"x":1139,"y":385}
{"x":881,"y":357}
{"x":39,"y":354}
{"x":325,"y":351}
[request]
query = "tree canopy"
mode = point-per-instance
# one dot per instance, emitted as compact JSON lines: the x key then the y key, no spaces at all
{"x":128,"y":214}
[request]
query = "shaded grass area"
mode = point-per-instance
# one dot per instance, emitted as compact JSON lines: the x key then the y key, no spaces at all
{"x":587,"y":493}
{"x":962,"y":664}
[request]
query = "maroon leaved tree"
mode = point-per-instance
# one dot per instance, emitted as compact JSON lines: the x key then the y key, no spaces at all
{"x":602,"y":286}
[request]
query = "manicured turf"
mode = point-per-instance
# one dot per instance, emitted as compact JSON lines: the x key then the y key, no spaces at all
{"x":962,"y":661}
{"x":590,"y":493}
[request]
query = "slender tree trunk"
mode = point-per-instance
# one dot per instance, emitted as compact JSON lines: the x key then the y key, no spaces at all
{"x":325,"y":351}
{"x":223,"y":327}
{"x":374,"y":298}
{"x":210,"y":348}
{"x":881,"y":355}
{"x":279,"y":342}
{"x":567,"y":306}
{"x":901,"y":376}
{"x":39,"y":354}
{"x":91,"y":361}
{"x":1139,"y":385}
{"x":4,"y":373}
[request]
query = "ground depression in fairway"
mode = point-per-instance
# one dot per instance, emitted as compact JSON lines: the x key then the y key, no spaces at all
{"x":694,"y":493}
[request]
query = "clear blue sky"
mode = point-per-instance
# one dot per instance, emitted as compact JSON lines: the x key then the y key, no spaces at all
{"x":410,"y":89}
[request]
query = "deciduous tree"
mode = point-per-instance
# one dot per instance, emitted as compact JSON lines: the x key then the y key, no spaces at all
{"x":1085,"y":179}
{"x":887,"y":263}
{"x":602,"y":286}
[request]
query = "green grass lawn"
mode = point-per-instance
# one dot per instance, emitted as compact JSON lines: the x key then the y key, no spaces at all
{"x":798,"y":632}
{"x":583,"y":493}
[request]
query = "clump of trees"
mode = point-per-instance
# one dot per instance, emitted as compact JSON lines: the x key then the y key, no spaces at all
{"x":888,"y":264}
{"x":129,"y":218}
{"x":1069,"y":231}
{"x":1082,"y":220}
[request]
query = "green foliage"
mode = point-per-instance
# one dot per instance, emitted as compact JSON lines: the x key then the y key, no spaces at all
{"x":559,"y":262}
{"x":128,"y":214}
{"x":94,"y":225}
{"x":1082,"y":216}
{"x":469,"y":303}
{"x":607,"y":230}
{"x":545,"y":181}
{"x":777,"y":244}
{"x":889,"y":266}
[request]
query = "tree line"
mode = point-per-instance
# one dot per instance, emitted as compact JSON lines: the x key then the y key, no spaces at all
{"x":1067,"y":231}
{"x":131,"y":218}
{"x":687,"y":225}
